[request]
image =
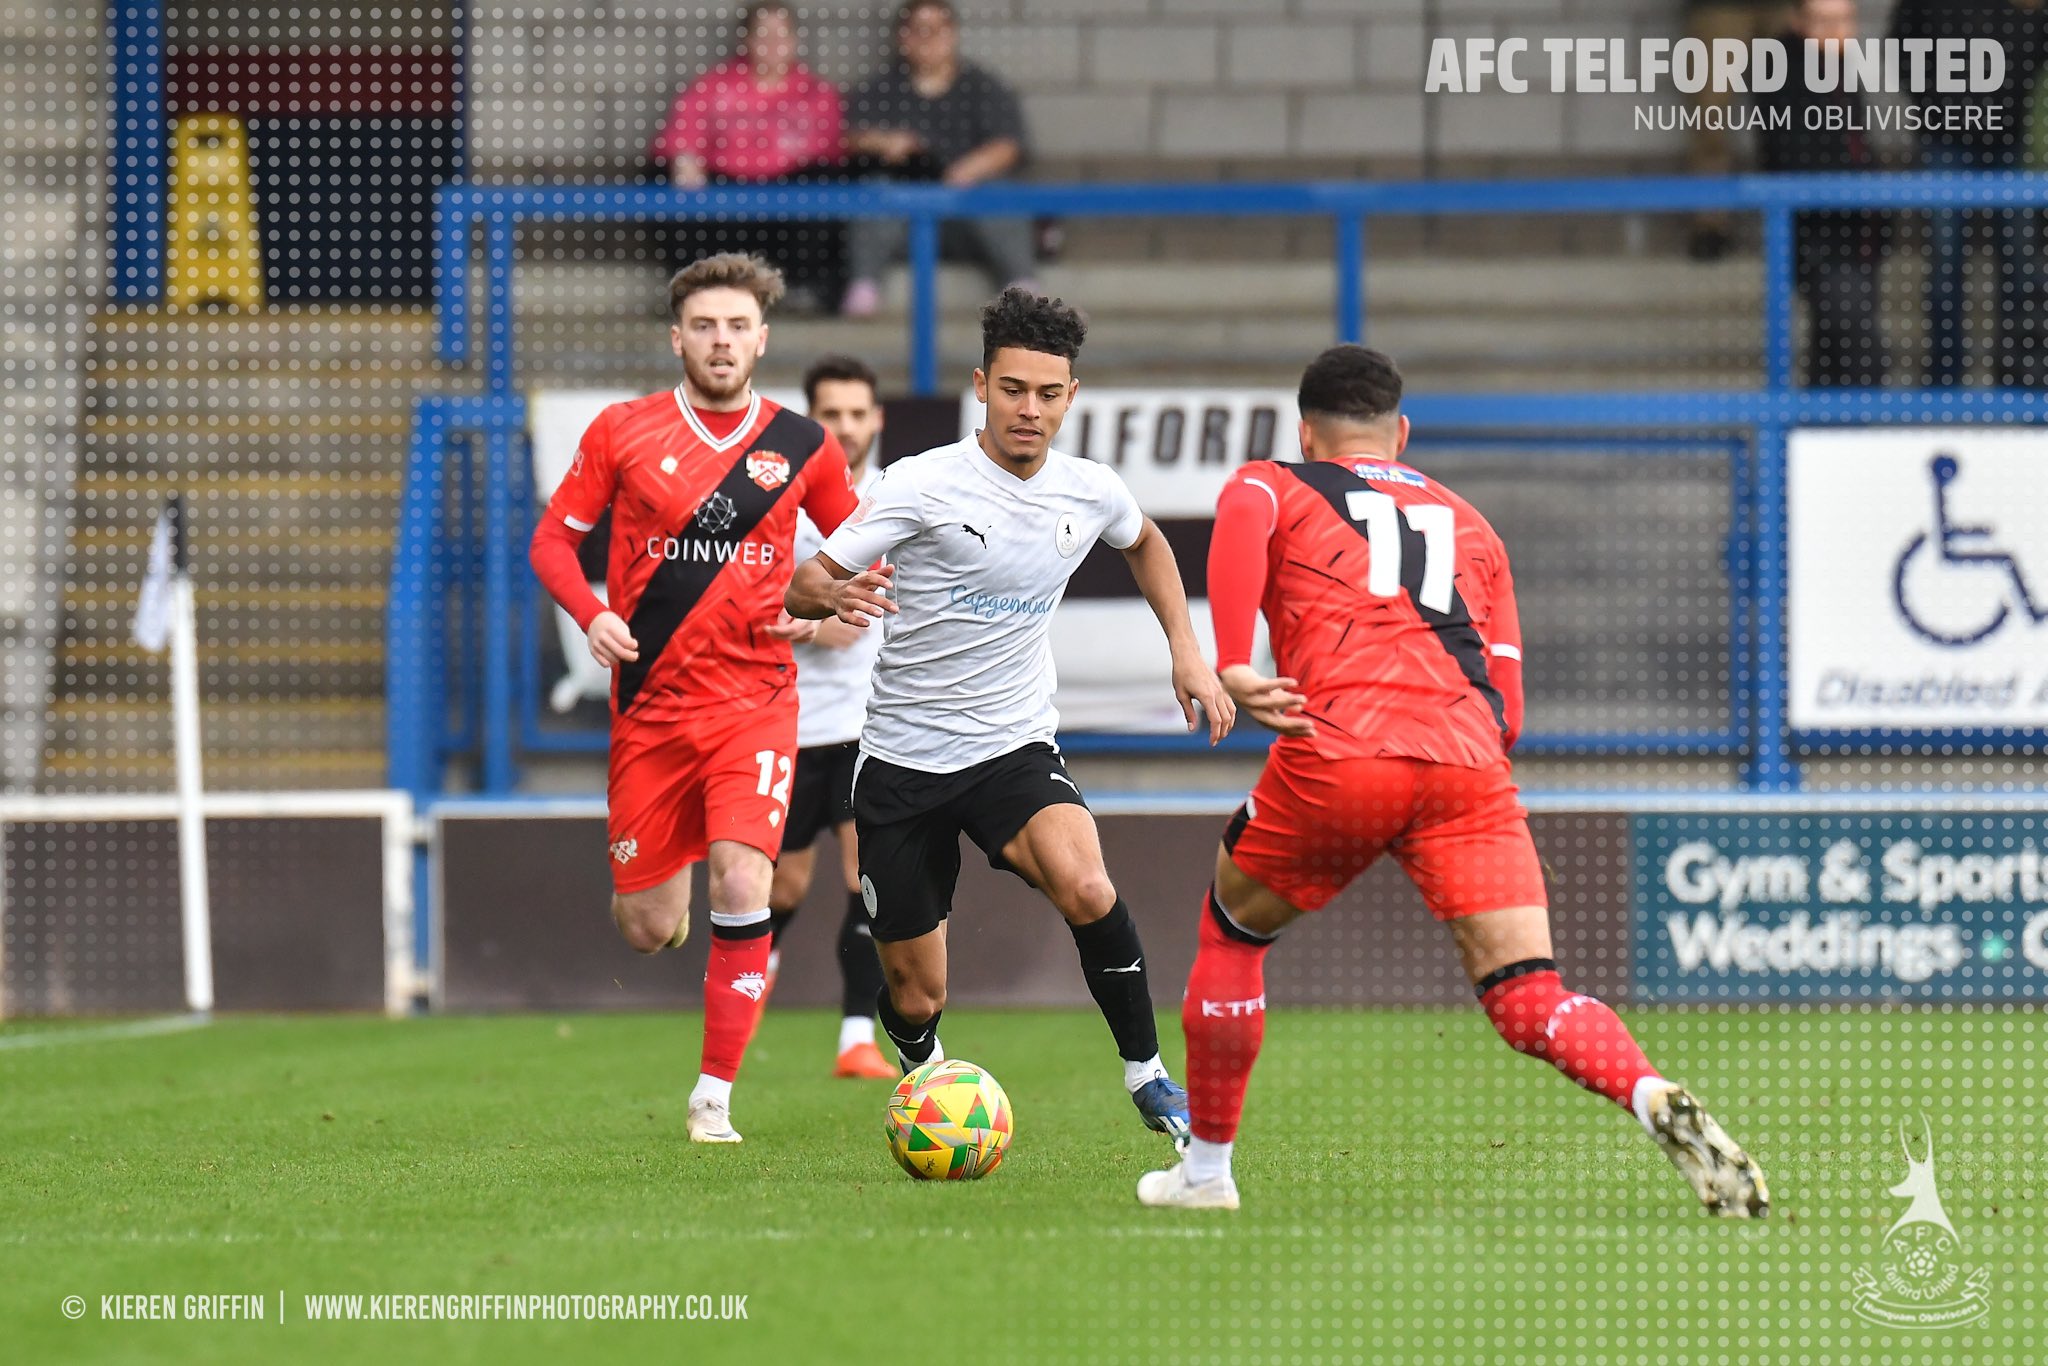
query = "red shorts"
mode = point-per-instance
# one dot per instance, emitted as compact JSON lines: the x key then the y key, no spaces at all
{"x":676,"y":786}
{"x":1460,"y":834}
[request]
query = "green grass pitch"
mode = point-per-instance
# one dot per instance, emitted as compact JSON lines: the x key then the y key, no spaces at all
{"x":1414,"y":1193}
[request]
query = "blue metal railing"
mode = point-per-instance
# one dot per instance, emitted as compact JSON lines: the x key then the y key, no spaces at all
{"x":501,"y":716}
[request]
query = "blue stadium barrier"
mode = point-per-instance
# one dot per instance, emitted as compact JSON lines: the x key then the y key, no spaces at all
{"x":441,"y":556}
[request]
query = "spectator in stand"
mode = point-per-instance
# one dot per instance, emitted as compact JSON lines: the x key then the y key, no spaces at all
{"x":2022,"y":27}
{"x":761,"y":117}
{"x":1713,"y":149}
{"x":929,"y":117}
{"x":1840,"y":252}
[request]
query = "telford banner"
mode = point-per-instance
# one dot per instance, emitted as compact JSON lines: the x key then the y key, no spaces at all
{"x":1918,"y":593}
{"x":1908,"y":906}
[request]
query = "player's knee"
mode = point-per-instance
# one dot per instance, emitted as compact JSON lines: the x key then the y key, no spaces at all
{"x":1085,"y":899}
{"x":642,"y":935}
{"x":644,"y":928}
{"x":738,"y":889}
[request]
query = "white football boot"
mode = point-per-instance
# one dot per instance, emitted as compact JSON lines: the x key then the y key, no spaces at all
{"x":710,"y":1121}
{"x":1725,"y":1178}
{"x":1171,"y":1189}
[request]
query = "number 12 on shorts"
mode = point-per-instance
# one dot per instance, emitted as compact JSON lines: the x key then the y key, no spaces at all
{"x":1433,"y":521}
{"x":774,"y":776}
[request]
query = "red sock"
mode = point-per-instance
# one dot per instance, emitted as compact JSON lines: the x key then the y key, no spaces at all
{"x":1224,"y":1016}
{"x":734,"y":984}
{"x":1576,"y":1034}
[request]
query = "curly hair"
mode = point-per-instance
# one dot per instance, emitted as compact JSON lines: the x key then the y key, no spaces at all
{"x":727,"y":270}
{"x":1351,"y":383}
{"x":1030,"y":322}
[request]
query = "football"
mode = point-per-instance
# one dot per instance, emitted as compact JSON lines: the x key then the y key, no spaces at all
{"x":949,"y":1121}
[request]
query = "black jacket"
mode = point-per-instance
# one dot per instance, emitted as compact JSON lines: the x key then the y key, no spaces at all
{"x":1786,"y":142}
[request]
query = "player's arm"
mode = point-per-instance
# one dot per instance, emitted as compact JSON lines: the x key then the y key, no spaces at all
{"x":823,"y":586}
{"x":1246,"y":513}
{"x":1503,"y":635}
{"x":584,"y":494}
{"x":1158,"y":577}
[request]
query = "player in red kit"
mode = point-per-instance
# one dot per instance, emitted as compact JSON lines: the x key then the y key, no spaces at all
{"x":1393,"y":624}
{"x":703,"y":483}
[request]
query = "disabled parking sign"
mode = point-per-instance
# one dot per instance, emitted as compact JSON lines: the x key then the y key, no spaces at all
{"x":1918,"y":579}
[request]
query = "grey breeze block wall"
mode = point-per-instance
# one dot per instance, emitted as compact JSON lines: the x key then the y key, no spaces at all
{"x":1183,"y":87}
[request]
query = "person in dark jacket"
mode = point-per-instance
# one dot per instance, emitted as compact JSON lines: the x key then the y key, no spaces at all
{"x":1999,"y":145}
{"x":1713,"y":147}
{"x":1840,"y":252}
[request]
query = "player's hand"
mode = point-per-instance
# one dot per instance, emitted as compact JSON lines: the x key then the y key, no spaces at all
{"x":1195,"y":682}
{"x":611,"y":644}
{"x":1272,"y":702}
{"x":793,"y":630}
{"x":900,"y":145}
{"x":864,"y":596}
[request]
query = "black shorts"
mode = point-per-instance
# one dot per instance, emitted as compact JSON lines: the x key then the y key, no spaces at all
{"x":909,"y":825}
{"x":821,"y":794}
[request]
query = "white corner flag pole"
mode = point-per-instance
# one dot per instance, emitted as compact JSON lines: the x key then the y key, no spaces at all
{"x":166,"y":614}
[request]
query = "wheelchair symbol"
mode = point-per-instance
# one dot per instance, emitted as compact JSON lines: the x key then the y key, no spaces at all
{"x":1965,"y":588}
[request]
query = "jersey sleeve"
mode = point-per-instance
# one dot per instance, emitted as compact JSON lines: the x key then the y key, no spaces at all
{"x":885,"y":519}
{"x":828,"y":498}
{"x":1246,"y":512}
{"x":586,"y":490}
{"x":1126,"y":519}
{"x":1502,"y":632}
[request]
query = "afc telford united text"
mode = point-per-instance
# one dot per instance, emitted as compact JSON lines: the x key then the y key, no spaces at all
{"x":1591,"y":66}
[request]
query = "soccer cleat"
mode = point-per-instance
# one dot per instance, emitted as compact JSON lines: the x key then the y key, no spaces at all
{"x":1164,"y":1104}
{"x":864,"y":1060}
{"x":682,"y":934}
{"x":1171,"y":1189}
{"x":710,"y":1121}
{"x":1724,"y":1177}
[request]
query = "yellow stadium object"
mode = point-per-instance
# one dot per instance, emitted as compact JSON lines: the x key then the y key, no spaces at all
{"x":214,"y":258}
{"x":949,"y":1121}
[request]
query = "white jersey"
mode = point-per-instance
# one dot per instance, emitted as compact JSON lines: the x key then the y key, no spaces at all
{"x":832,"y":685}
{"x":982,"y":558}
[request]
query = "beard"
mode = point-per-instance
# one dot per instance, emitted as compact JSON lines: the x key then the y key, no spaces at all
{"x":718,"y":389}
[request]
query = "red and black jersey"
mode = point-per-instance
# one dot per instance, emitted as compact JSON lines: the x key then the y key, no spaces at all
{"x":703,"y":512}
{"x":1386,"y":595}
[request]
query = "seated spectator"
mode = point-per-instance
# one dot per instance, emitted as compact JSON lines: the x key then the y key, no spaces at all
{"x":1839,"y":252}
{"x":2021,"y":355}
{"x":934,"y":117}
{"x":761,"y":117}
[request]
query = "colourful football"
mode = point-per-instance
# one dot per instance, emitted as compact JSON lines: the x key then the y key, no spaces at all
{"x":949,"y":1121}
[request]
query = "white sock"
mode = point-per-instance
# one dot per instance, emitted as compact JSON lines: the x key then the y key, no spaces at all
{"x":1136,"y":1074}
{"x":1206,"y":1161}
{"x":709,"y":1087}
{"x":856,"y":1030}
{"x":1647,"y":1090}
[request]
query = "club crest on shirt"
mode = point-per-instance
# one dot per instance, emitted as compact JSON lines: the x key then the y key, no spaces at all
{"x":715,"y":514}
{"x":1067,"y":535}
{"x":769,"y":469}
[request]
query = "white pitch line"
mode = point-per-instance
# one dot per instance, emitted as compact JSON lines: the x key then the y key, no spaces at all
{"x":128,"y":1029}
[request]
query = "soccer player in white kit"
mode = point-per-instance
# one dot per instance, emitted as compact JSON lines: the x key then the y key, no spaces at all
{"x":834,"y":663}
{"x":981,"y":537}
